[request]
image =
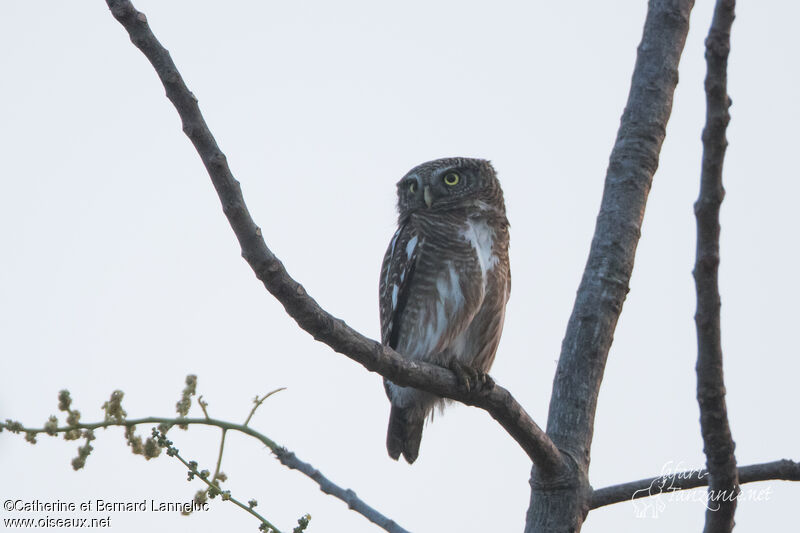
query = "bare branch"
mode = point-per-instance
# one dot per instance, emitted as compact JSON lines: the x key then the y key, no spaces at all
{"x":286,"y":457}
{"x":218,"y":467}
{"x":290,"y":460}
{"x":258,"y":401}
{"x":604,"y":286}
{"x":783,"y":469}
{"x":204,"y":407}
{"x":297,"y":302}
{"x":717,"y":440}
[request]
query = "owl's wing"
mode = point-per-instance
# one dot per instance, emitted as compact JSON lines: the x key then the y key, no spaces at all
{"x":396,"y":273}
{"x":430,"y":292}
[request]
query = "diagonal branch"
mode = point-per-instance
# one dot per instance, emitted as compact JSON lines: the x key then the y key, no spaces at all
{"x":298,"y":304}
{"x":286,"y":457}
{"x":717,"y":440}
{"x":783,"y":469}
{"x":290,"y":460}
{"x":604,"y":285}
{"x":266,"y":525}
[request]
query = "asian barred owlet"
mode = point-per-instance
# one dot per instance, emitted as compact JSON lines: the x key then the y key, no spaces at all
{"x":444,"y":283}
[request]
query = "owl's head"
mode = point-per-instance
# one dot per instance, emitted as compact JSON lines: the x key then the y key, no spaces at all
{"x":453,"y":183}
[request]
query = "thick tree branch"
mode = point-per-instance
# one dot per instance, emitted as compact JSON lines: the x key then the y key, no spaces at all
{"x":604,"y":286}
{"x":784,"y":470}
{"x":717,"y":440}
{"x":298,"y":304}
{"x":286,"y":457}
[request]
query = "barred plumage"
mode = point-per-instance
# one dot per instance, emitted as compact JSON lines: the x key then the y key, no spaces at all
{"x":444,"y":282}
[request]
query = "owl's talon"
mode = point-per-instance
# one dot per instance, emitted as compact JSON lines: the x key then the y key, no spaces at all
{"x":488,"y":382}
{"x":484,"y":382}
{"x":464,"y":374}
{"x":470,"y":378}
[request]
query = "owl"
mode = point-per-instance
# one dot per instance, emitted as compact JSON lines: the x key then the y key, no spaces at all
{"x":444,"y":284}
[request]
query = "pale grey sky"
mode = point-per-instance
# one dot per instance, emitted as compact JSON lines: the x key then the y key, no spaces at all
{"x":119,"y":270}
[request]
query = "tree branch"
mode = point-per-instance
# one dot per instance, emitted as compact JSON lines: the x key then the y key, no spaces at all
{"x":604,"y":286}
{"x":286,"y":457}
{"x":718,"y":443}
{"x":289,"y":459}
{"x":172,"y":451}
{"x":297,"y":302}
{"x":783,"y":469}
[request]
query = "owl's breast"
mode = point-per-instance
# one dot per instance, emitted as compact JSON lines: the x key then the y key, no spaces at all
{"x":485,"y":244}
{"x":477,"y":343}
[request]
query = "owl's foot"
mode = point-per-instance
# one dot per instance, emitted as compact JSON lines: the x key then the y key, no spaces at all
{"x":470,"y":378}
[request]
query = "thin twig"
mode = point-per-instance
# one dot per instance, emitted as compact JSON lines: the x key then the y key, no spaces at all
{"x":346,"y":495}
{"x":219,"y":455}
{"x":257,"y":403}
{"x":203,"y":476}
{"x":783,"y":469}
{"x":218,"y":467}
{"x":324,"y":327}
{"x":203,"y":405}
{"x":718,"y":443}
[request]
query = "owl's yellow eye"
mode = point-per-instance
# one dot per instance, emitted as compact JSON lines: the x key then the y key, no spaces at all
{"x":412,"y":187}
{"x":451,"y":179}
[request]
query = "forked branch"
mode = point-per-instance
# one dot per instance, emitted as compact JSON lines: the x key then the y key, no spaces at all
{"x":286,"y":457}
{"x":604,"y":286}
{"x":324,"y":327}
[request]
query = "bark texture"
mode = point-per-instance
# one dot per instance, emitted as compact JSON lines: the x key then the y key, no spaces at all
{"x":718,"y":445}
{"x":560,"y":502}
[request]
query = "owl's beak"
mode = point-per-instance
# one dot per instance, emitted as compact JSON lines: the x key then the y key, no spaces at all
{"x":427,"y":195}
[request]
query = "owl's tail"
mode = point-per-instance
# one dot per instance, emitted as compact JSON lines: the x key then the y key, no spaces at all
{"x":405,"y":433}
